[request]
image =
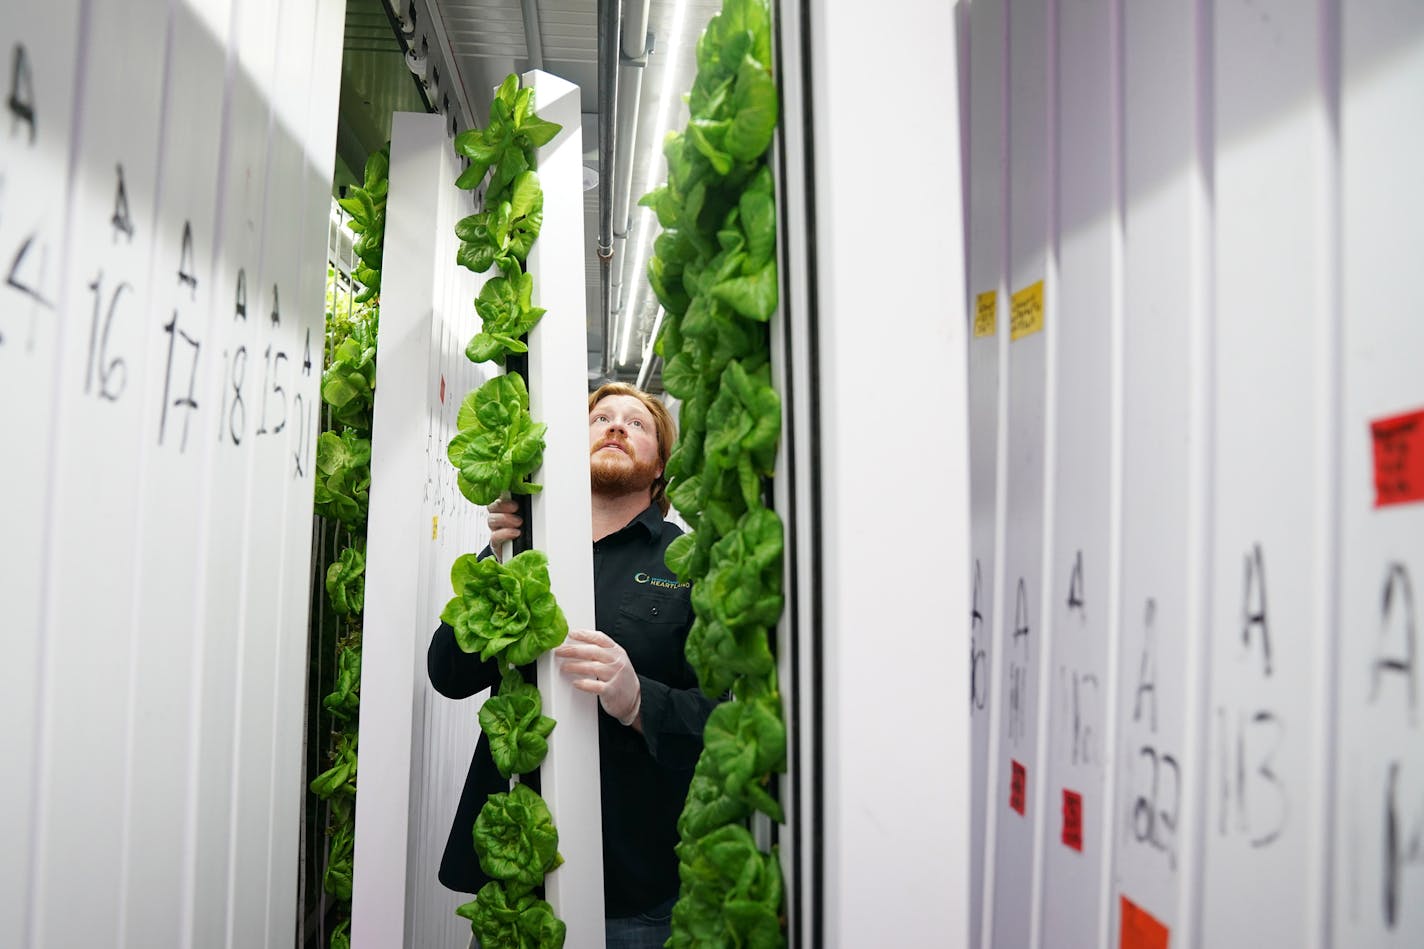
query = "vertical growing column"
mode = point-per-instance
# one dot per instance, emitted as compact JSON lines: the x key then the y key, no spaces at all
{"x":714,"y":271}
{"x":510,"y":613}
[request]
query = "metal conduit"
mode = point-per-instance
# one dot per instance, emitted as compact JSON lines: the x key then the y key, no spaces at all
{"x":609,"y":14}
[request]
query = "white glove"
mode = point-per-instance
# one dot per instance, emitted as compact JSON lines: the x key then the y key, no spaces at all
{"x":599,"y":665}
{"x":504,"y":524}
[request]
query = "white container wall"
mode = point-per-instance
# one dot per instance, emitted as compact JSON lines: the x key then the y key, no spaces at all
{"x":1205,"y":465}
{"x":166,"y":175}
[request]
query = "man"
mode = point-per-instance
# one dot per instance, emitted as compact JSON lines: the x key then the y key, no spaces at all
{"x":651,"y":711}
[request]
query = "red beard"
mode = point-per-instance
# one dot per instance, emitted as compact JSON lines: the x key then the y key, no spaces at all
{"x":614,"y":473}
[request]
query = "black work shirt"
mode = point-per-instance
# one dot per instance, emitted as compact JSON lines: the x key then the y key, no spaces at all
{"x":644,"y":777}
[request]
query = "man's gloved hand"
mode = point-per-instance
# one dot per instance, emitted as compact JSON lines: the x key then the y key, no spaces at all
{"x":599,"y":665}
{"x":504,"y":524}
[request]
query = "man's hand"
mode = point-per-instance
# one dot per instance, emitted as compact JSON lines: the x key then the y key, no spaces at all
{"x":599,"y":665}
{"x":504,"y":524}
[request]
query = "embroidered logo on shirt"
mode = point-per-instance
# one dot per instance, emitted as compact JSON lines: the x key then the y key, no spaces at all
{"x":663,"y":582}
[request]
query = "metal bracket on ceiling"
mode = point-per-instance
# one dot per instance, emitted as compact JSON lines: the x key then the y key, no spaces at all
{"x":427,"y":51}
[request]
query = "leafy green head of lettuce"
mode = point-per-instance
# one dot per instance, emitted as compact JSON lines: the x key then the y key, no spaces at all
{"x":518,"y":732}
{"x":515,"y":838}
{"x":504,"y":921}
{"x":343,"y":477}
{"x":345,"y":699}
{"x":507,"y":144}
{"x":505,"y":230}
{"x":348,"y":384}
{"x":504,"y":610}
{"x":498,"y":445}
{"x":507,"y":313}
{"x":731,"y":892}
{"x":366,"y":203}
{"x":346,"y":582}
{"x":745,"y":743}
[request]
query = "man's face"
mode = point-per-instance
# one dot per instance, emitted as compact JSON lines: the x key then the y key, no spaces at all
{"x":622,"y":445}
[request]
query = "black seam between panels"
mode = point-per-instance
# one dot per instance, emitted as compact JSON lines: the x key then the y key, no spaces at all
{"x":811,"y":920}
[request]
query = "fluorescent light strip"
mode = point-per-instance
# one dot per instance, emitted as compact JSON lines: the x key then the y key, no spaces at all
{"x":636,"y":288}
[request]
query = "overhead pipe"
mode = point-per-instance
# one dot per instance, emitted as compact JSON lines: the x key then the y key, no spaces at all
{"x":634,"y":47}
{"x":609,"y":15}
{"x":533,"y":36}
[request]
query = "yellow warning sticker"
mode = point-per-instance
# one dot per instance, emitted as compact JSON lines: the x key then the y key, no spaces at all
{"x":1026,"y":311}
{"x":986,"y":309}
{"x":435,"y":527}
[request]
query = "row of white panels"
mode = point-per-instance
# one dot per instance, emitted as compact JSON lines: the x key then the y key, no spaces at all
{"x":165,"y":175}
{"x":1197,"y":424}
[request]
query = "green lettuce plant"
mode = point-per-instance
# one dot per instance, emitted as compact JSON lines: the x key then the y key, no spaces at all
{"x":714,"y":271}
{"x":348,"y":384}
{"x":731,"y":892}
{"x":507,"y":144}
{"x":515,"y":725}
{"x":343,"y":477}
{"x":515,"y":838}
{"x":346,"y":582}
{"x":505,"y":230}
{"x":498,"y":445}
{"x":512,"y":922}
{"x":504,"y":611}
{"x":366,"y":203}
{"x":507,"y":314}
{"x":344,"y":700}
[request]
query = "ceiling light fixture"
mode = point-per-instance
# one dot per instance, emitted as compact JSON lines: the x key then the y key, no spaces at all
{"x":637,"y":282}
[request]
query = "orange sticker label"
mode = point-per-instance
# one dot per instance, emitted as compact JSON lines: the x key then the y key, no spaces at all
{"x":1399,"y":458}
{"x":1140,"y":929}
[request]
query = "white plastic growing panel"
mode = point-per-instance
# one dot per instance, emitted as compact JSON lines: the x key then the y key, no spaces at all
{"x":166,"y":730}
{"x":39,"y":54}
{"x":1081,"y":567}
{"x":984,"y":249}
{"x":240,"y":328}
{"x":1264,"y":802}
{"x":1021,"y":638}
{"x":1379,"y":791}
{"x":288,"y":355}
{"x":1156,"y":764}
{"x":103,"y":383}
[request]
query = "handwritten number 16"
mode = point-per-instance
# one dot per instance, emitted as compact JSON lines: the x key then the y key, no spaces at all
{"x":112,"y":373}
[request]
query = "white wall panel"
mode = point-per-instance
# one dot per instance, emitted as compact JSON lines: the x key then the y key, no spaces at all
{"x":1023,"y":343}
{"x":984,"y":250}
{"x":1156,"y":766}
{"x":1263,"y":805}
{"x":114,"y":402}
{"x":40,"y":51}
{"x":166,"y":730}
{"x":1080,"y":588}
{"x":102,"y":383}
{"x":1379,"y":792}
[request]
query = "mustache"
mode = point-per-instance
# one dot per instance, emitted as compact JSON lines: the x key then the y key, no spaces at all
{"x":617,"y":443}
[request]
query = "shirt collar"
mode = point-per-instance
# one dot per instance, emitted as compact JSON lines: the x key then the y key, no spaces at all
{"x":651,"y":520}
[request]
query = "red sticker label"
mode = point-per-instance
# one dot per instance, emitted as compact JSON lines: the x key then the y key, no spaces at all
{"x":1018,"y":787}
{"x":1399,"y":458}
{"x":1140,"y":930}
{"x":1073,"y":820}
